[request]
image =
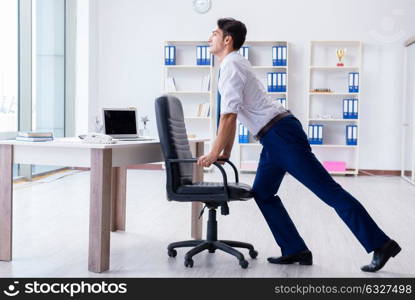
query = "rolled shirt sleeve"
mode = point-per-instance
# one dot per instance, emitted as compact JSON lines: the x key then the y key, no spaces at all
{"x":231,"y":88}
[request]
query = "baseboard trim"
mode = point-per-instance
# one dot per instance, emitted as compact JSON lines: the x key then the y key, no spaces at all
{"x":380,"y":172}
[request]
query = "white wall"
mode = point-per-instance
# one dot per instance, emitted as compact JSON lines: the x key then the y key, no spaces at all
{"x":127,"y":53}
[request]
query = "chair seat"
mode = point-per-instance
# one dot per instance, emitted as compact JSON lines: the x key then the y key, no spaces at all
{"x":237,"y":191}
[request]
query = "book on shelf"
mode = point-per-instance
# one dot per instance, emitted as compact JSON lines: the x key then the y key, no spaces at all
{"x":205,"y":83}
{"x":203,"y":110}
{"x":170,"y":84}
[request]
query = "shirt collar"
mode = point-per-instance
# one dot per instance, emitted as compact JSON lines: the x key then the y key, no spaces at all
{"x":227,"y":57}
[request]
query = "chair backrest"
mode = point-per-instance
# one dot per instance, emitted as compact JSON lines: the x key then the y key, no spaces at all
{"x":173,"y":140}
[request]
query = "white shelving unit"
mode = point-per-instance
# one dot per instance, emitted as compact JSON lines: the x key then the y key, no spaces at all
{"x":260,"y":57}
{"x":326,"y":108}
{"x":188,"y":77}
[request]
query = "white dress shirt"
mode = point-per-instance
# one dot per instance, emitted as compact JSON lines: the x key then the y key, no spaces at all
{"x":243,"y":94}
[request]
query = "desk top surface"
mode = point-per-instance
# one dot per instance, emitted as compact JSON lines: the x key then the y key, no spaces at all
{"x":74,"y":142}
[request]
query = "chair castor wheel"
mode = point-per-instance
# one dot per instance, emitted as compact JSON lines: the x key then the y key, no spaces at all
{"x":243,"y":263}
{"x":253,"y":253}
{"x":212,"y":250}
{"x":188,"y":263}
{"x":171,"y":252}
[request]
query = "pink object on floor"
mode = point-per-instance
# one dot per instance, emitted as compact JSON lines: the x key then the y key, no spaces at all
{"x":336,"y":166}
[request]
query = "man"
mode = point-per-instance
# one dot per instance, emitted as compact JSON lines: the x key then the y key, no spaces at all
{"x":285,"y":149}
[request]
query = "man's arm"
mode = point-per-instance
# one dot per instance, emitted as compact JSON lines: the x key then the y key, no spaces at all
{"x":223,"y":142}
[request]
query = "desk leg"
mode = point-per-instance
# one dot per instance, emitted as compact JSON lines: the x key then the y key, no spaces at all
{"x":197,"y":224}
{"x":6,"y":201}
{"x":118,"y":198}
{"x":100,"y":210}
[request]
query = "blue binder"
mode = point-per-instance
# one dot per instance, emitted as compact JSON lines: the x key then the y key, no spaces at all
{"x":240,"y":133}
{"x":244,"y":51}
{"x":284,"y":82}
{"x":170,"y":55}
{"x":208,"y":55}
{"x":274,"y":55}
{"x":246,"y":135}
{"x":284,"y":56}
{"x":199,"y":55}
{"x":278,"y":84}
{"x":283,"y":102}
{"x":356,"y":82}
{"x":351,"y":135}
{"x":243,"y":134}
{"x":346,"y":109}
{"x":166,"y":55}
{"x":270,"y":79}
{"x":315,"y":134}
{"x":355,"y":113}
{"x":351,"y":81}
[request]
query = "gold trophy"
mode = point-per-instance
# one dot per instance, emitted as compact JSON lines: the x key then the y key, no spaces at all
{"x":340,"y":54}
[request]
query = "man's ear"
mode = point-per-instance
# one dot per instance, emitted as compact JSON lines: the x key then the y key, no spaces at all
{"x":228,"y":40}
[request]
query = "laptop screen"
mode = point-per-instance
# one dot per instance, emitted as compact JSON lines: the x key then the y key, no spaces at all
{"x":120,"y":122}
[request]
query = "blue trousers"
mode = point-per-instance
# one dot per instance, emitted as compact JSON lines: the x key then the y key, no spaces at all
{"x":286,"y":149}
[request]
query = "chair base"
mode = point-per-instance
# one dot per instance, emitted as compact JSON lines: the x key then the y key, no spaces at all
{"x":212,"y":246}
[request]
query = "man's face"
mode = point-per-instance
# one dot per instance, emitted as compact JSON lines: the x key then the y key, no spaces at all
{"x":216,"y":41}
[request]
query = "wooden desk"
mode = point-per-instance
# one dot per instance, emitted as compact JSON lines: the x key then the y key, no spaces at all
{"x":108,"y":164}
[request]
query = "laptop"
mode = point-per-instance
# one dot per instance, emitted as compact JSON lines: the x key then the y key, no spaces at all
{"x":121,"y":124}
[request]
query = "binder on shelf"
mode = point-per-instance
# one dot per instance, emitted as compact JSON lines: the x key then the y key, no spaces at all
{"x":170,"y":84}
{"x":351,"y":135}
{"x":270,"y":78}
{"x":198,"y":55}
{"x":203,"y":56}
{"x":356,"y":82}
{"x":279,"y":56}
{"x":284,"y":56}
{"x":243,"y":135}
{"x":274,"y":81}
{"x":355,"y":113}
{"x":346,"y":114}
{"x":244,"y":51}
{"x":351,"y":81}
{"x":274,"y":55}
{"x":315,"y":134}
{"x":284,"y":82}
{"x":350,"y":107}
{"x":246,"y":135}
{"x":283,"y":102}
{"x":278,"y":87}
{"x":203,"y":110}
{"x":170,"y":55}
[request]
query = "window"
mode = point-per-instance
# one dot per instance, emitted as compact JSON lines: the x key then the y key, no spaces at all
{"x":48,"y":69}
{"x":9,"y":66}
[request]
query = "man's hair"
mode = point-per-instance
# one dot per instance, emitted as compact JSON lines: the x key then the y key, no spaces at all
{"x":236,"y":29}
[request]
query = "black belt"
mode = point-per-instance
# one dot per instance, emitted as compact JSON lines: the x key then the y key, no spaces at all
{"x":268,"y":126}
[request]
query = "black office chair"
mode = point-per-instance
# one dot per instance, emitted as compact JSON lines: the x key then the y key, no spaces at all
{"x":179,"y":169}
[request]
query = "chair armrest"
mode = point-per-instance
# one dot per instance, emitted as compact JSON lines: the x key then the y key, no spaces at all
{"x":194,"y":160}
{"x":233,"y":167}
